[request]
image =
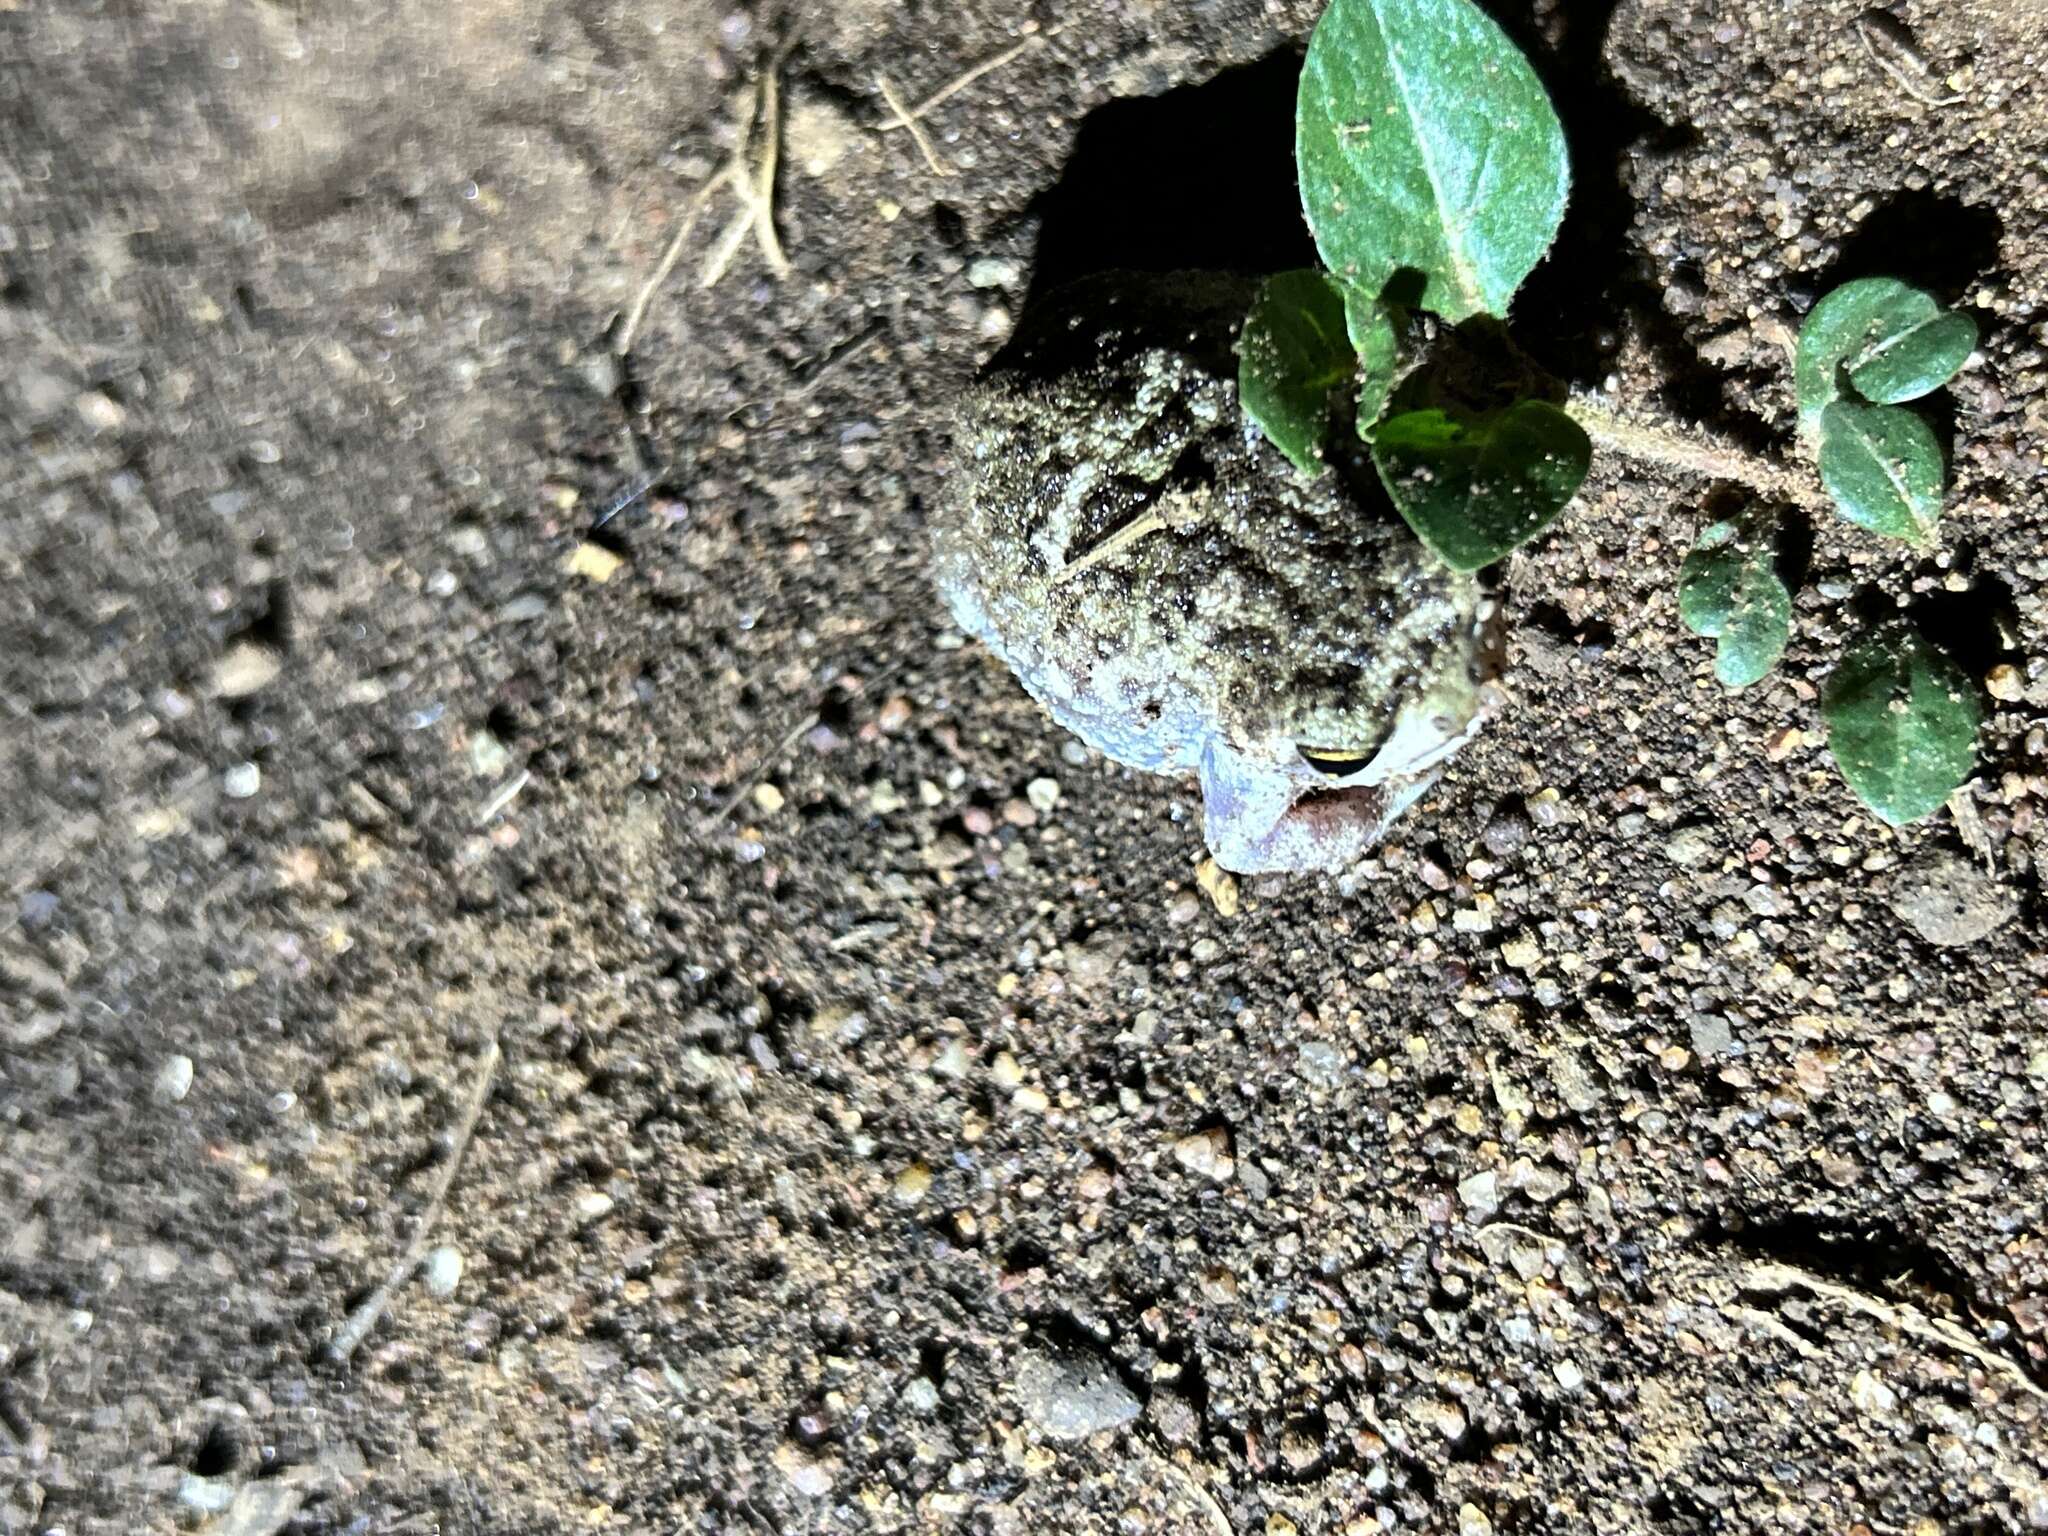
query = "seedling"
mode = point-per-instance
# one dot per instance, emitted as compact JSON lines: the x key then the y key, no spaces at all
{"x":1434,"y":177}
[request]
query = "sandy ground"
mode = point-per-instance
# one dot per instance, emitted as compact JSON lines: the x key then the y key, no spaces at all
{"x":420,"y":720}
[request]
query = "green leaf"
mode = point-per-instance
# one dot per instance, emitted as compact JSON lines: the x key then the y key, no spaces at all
{"x":1729,"y":588}
{"x":1295,"y":349}
{"x":1902,"y":723}
{"x":1475,"y":488}
{"x":1377,"y":339}
{"x":1883,"y":467}
{"x":1707,"y":580}
{"x":1892,"y":341}
{"x":1425,"y":146}
{"x":1759,"y":623}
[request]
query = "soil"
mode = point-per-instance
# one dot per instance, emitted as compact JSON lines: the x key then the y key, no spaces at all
{"x":881,"y":1123}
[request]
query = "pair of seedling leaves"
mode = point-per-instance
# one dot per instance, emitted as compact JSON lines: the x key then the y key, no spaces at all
{"x":1434,"y":177}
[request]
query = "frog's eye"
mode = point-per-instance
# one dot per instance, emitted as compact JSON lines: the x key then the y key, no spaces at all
{"x":1338,"y":764}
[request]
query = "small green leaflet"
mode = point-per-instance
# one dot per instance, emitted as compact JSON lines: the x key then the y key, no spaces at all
{"x":1473,"y":489}
{"x":1426,"y":148}
{"x":1729,"y":589}
{"x":1892,"y":341}
{"x":1902,"y":724}
{"x":1378,"y":343}
{"x":1882,"y":466}
{"x":1295,"y":349}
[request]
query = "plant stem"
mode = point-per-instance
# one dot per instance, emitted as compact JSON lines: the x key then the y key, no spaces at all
{"x":1692,"y":452}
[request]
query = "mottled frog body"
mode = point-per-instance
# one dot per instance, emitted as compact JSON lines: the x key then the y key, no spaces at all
{"x":1183,"y":599}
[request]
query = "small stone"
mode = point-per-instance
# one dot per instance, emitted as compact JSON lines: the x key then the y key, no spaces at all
{"x":1506,"y":830}
{"x":912,"y":1184}
{"x":1689,"y":847}
{"x":488,"y":756}
{"x":244,"y":669}
{"x":2005,"y":683}
{"x":1174,"y":1417}
{"x":593,"y":562}
{"x":593,"y":1206}
{"x":1472,"y":1521}
{"x":1072,"y":1396}
{"x":1480,"y":1192}
{"x":1206,"y":1153}
{"x":920,"y":1394}
{"x":809,"y":1475}
{"x":1568,"y":1375}
{"x":1522,"y":952}
{"x":1030,"y":1101}
{"x":443,"y":1270}
{"x":173,"y":1080}
{"x":1219,"y":885}
{"x":994,"y":272}
{"x":1711,"y":1035}
{"x":767,"y":799}
{"x":1782,"y":744}
{"x":241,"y":781}
{"x":1043,"y":794}
{"x":1871,"y":1395}
{"x":1947,"y":900}
{"x":1477,"y":918}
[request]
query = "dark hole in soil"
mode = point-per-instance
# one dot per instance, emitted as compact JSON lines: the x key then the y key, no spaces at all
{"x":1968,"y":625}
{"x":1942,"y":244}
{"x":1200,"y":177}
{"x":217,"y":1453}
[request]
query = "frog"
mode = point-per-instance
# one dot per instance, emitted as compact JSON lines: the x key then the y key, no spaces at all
{"x":1176,"y":593}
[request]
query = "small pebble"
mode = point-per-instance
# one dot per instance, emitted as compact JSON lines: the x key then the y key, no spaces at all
{"x":1043,"y":794}
{"x":1206,"y":1153}
{"x":767,"y":799}
{"x":1219,"y":885}
{"x":1073,"y":1396}
{"x":174,"y":1080}
{"x":2005,"y":683}
{"x":443,"y":1270}
{"x":241,"y":781}
{"x":593,"y":562}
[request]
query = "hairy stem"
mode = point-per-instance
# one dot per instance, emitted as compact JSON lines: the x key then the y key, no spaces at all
{"x":1692,"y":452}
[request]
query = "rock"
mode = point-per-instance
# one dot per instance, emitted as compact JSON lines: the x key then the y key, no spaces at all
{"x":1206,"y":1153}
{"x":246,"y":668}
{"x":1947,"y":900}
{"x":173,"y":1080}
{"x":809,"y":1475}
{"x":1174,"y":1417}
{"x":1689,"y":847}
{"x":443,"y":1270}
{"x":1480,"y":1193}
{"x":1043,"y":794}
{"x":1506,"y":830}
{"x":1219,"y":885}
{"x":241,"y":781}
{"x":593,"y":562}
{"x":1711,"y":1035}
{"x":1071,"y":1396}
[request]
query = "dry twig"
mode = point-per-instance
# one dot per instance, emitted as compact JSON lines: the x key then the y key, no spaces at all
{"x":904,"y":119}
{"x":1776,"y":1279}
{"x":364,"y":1318}
{"x":960,"y":82}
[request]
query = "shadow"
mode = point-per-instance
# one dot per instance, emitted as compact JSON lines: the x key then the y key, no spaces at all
{"x":1201,"y":177}
{"x":1568,"y":314}
{"x":1969,"y":626}
{"x":1939,"y":243}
